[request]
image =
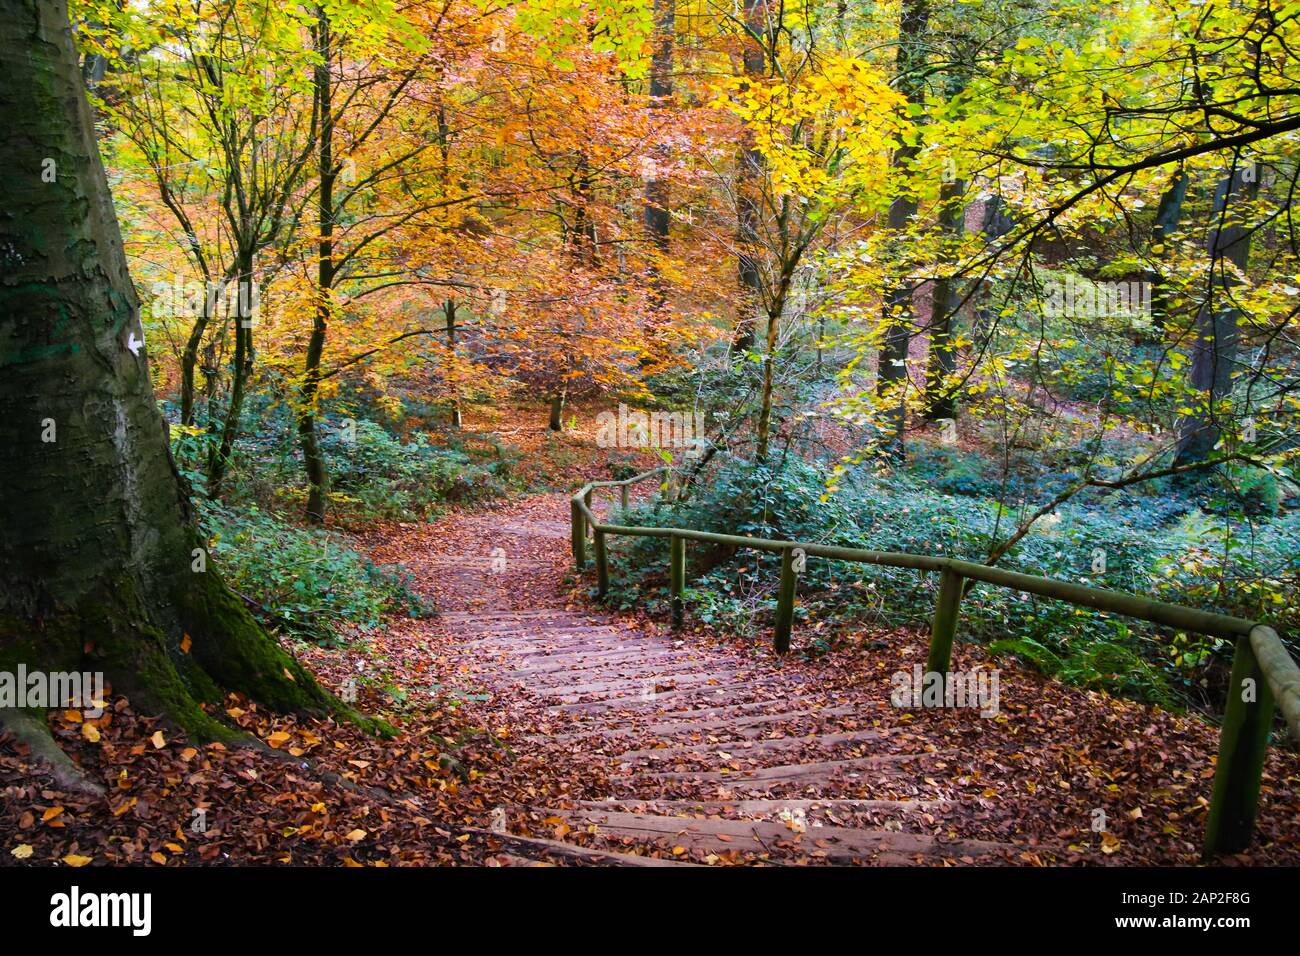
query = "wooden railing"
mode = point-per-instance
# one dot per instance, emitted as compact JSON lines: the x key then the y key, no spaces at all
{"x":1264,"y":676}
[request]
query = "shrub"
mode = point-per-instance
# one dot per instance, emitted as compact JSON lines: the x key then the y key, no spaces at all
{"x":373,"y":475}
{"x":305,"y":582}
{"x":1142,"y":544}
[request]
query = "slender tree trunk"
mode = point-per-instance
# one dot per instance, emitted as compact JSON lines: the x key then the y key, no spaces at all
{"x":449,"y":309}
{"x":748,"y":183}
{"x":657,"y":191}
{"x":556,"y":422}
{"x":190,"y":359}
{"x":1168,"y":214}
{"x":995,"y":223}
{"x":312,"y":456}
{"x":765,"y":400}
{"x":891,"y":377}
{"x":1214,"y":351}
{"x":940,"y":402}
{"x":657,"y":196}
{"x":101,"y":566}
{"x":241,"y":372}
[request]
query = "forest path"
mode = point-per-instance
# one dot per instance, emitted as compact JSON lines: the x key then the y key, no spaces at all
{"x":665,"y":750}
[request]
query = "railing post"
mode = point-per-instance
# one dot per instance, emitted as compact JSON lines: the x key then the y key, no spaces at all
{"x":944,"y":626}
{"x":587,"y":499}
{"x":785,"y":602}
{"x":677,"y":575}
{"x":1243,"y":742}
{"x":602,"y":563}
{"x":623,"y":496}
{"x":579,"y":535}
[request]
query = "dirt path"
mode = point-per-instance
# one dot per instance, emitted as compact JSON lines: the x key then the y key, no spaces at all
{"x":633,"y":744}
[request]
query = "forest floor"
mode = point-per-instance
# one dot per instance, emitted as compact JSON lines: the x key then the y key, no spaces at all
{"x":535,"y":726}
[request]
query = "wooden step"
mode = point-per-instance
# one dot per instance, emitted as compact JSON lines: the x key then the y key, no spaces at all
{"x":837,"y":844}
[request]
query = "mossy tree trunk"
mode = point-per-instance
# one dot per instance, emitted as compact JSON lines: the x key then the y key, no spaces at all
{"x":101,"y":565}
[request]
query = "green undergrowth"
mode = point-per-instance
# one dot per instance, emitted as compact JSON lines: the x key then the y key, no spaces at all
{"x":1156,"y":544}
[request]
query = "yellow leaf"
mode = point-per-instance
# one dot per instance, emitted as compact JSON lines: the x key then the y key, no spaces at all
{"x":186,"y":643}
{"x":73,"y":860}
{"x":50,"y":814}
{"x":22,"y":851}
{"x":157,"y":857}
{"x":277,"y":738}
{"x":90,"y":732}
{"x":158,"y":740}
{"x":356,"y":835}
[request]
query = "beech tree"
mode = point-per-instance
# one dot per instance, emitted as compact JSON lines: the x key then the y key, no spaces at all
{"x":102,"y":566}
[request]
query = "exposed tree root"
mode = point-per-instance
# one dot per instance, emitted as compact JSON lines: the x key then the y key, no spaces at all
{"x":32,"y":732}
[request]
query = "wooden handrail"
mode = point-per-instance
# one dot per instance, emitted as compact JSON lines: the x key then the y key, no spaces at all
{"x":1264,"y":675}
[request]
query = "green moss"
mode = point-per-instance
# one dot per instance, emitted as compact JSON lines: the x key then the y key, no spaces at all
{"x":231,"y":647}
{"x":54,"y":643}
{"x":114,"y":631}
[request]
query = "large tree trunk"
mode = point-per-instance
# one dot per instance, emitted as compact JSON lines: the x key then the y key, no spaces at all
{"x":101,"y":566}
{"x":1214,"y":351}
